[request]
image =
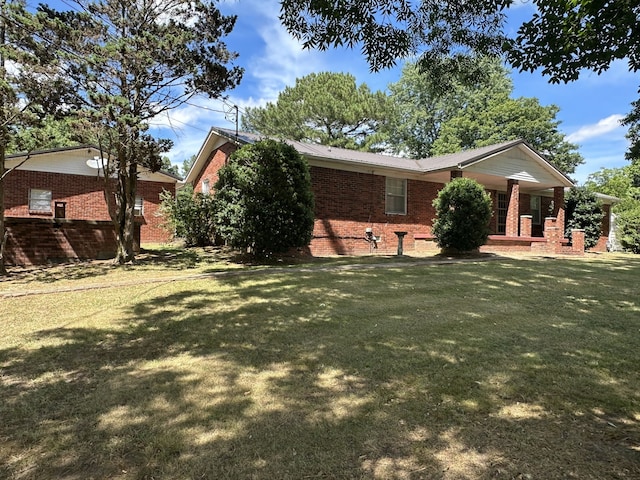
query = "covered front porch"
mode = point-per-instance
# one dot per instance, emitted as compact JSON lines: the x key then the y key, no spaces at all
{"x":528,"y":200}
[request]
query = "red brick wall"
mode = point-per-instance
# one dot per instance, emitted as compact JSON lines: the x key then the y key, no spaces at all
{"x":216,"y":161}
{"x":43,"y":240}
{"x":151,"y":230}
{"x":84,"y":197}
{"x":85,"y":201}
{"x":347,"y":203}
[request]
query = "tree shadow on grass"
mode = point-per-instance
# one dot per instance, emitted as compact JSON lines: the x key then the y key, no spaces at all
{"x":457,"y":372}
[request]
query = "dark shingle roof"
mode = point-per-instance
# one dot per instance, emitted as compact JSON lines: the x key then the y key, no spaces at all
{"x":440,"y":163}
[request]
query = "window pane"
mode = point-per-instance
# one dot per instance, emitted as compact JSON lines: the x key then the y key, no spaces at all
{"x":535,"y":209}
{"x":137,"y":209}
{"x":40,"y":200}
{"x":501,"y":222}
{"x":396,"y":196}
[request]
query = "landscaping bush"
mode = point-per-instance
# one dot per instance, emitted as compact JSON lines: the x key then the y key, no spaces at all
{"x":584,"y":211}
{"x":628,"y":224}
{"x":189,"y":216}
{"x":263,"y":200}
{"x":464,"y":210}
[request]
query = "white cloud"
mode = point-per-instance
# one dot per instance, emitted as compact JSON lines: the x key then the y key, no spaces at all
{"x":588,"y":132}
{"x":282,"y":60}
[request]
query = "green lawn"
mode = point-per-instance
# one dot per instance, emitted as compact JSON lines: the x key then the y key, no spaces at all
{"x":506,"y":369}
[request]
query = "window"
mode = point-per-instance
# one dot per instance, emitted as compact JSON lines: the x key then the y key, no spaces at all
{"x":138,"y":210}
{"x":205,"y":187}
{"x":396,"y":196}
{"x":501,"y":213}
{"x":535,"y":210}
{"x":39,"y":200}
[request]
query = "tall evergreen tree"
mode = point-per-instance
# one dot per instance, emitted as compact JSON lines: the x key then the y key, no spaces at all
{"x":128,"y":62}
{"x":326,"y":108}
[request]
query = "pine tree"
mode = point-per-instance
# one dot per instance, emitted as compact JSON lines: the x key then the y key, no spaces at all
{"x":129,"y":62}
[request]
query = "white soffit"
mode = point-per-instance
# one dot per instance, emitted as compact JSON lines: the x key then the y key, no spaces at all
{"x":515,"y":164}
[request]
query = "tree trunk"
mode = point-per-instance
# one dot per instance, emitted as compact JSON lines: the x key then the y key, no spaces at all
{"x":126,"y":190}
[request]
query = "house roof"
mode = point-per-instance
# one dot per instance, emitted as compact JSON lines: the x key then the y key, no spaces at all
{"x":73,"y":160}
{"x":494,"y":163}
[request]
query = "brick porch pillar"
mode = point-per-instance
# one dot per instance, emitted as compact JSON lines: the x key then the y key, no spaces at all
{"x":558,"y":206}
{"x":553,"y":234}
{"x":525,"y":225}
{"x":577,"y":241}
{"x":513,"y":210}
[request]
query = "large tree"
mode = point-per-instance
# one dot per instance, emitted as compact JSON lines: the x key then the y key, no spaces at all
{"x":421,"y":106}
{"x":128,"y":62}
{"x":30,"y":91}
{"x":388,"y":30}
{"x":326,"y":108}
{"x":502,"y":119}
{"x":428,"y":121}
{"x":563,"y":37}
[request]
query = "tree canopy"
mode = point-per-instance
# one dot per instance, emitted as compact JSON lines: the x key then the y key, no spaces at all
{"x":388,"y":30}
{"x":617,"y":182}
{"x":326,"y":108}
{"x":563,"y":37}
{"x":420,"y":106}
{"x":128,"y":62}
{"x":429,"y":122}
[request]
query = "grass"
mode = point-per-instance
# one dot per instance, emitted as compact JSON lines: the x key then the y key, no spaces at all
{"x":509,"y":369}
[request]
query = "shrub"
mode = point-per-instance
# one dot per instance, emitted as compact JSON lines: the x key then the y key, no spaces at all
{"x":189,"y":216}
{"x":464,"y":210}
{"x":584,"y":211}
{"x":628,"y":224}
{"x":263,"y":200}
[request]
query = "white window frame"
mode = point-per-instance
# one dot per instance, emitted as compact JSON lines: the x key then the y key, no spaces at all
{"x":40,"y":200}
{"x":392,"y":195}
{"x":138,"y":206}
{"x":206,"y":189}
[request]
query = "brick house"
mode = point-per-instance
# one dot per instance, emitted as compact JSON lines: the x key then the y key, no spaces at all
{"x":362,"y":198}
{"x":55,"y":207}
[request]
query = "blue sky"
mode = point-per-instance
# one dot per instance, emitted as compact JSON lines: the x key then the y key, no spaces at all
{"x":590,"y":108}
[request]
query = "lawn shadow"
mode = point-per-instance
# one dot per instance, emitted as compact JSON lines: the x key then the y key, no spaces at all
{"x":501,"y":370}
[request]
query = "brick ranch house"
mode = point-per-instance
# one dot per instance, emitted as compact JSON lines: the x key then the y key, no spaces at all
{"x":362,"y":198}
{"x":55,"y":207}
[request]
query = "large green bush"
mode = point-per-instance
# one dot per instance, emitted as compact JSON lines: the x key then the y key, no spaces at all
{"x":263,"y":200}
{"x":628,"y":224}
{"x":189,"y":216}
{"x":463,"y":211}
{"x":583,"y":210}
